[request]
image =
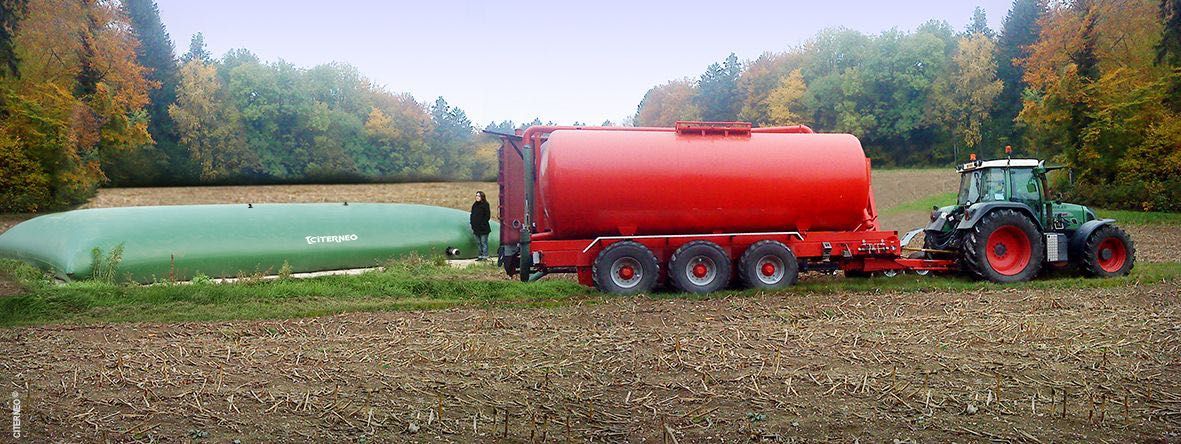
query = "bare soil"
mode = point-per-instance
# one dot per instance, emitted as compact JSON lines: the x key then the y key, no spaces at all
{"x":1007,"y":365}
{"x":931,"y":367}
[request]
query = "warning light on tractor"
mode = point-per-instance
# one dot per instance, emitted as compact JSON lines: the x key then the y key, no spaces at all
{"x":972,"y":157}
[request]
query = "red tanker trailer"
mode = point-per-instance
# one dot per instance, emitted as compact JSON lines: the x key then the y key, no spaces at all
{"x":629,"y":208}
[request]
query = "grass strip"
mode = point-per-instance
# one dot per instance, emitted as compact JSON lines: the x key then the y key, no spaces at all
{"x":419,"y":286}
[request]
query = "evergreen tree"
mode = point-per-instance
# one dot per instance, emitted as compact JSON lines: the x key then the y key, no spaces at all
{"x":197,"y":50}
{"x":1019,"y":30}
{"x":168,"y":159}
{"x":10,"y":14}
{"x":1168,"y":51}
{"x":451,"y":139}
{"x":717,"y":91}
{"x":979,"y":24}
{"x":1084,"y":56}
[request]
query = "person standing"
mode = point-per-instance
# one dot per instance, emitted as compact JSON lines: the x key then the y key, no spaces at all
{"x":480,"y":216}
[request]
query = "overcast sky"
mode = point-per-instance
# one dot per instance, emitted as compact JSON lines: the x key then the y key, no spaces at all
{"x":516,"y":60}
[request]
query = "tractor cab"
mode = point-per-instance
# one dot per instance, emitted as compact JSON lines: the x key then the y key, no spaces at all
{"x":1004,"y":227}
{"x":1020,"y":181}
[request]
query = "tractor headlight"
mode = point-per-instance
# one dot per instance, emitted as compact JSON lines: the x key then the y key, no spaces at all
{"x":935,"y":215}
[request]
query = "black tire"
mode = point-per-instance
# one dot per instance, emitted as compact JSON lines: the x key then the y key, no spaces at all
{"x":1002,"y":223}
{"x":609,"y":274}
{"x":920,"y":255}
{"x":785,"y":269}
{"x":1101,"y":252}
{"x":700,"y":267}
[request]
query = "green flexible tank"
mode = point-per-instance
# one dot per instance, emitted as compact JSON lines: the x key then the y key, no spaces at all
{"x":177,"y":242}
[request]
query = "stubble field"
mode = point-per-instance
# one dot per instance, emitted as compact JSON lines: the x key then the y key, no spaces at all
{"x":1007,"y":364}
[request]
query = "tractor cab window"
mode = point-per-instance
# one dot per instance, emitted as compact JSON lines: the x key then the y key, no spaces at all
{"x":1026,"y":186}
{"x":985,"y":185}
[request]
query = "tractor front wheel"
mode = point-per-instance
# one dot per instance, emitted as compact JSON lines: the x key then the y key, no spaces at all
{"x":1004,"y":246}
{"x":1108,"y":252}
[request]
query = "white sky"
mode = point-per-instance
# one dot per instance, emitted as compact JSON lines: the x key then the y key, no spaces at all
{"x":516,"y":60}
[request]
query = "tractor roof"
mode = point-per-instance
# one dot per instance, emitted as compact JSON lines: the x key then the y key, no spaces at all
{"x":1000,"y":163}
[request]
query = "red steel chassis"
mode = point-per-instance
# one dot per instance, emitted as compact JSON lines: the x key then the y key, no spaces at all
{"x":866,"y":250}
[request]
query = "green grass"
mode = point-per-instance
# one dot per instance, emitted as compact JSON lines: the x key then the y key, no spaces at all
{"x":1140,"y":217}
{"x":400,"y":287}
{"x":924,"y":204}
{"x":1124,"y":216}
{"x":413,"y":286}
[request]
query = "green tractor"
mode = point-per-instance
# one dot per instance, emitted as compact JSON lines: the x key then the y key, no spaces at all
{"x":1004,"y":228}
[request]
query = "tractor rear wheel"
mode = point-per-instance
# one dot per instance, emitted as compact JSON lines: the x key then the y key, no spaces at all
{"x":1108,"y":252}
{"x":1004,"y":246}
{"x":700,"y":267}
{"x":625,"y":267}
{"x":768,"y":265}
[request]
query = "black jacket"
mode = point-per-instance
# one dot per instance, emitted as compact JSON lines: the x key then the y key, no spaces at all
{"x":480,"y":215}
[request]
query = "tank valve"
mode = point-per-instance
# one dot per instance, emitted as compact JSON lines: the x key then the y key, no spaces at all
{"x":452,"y":252}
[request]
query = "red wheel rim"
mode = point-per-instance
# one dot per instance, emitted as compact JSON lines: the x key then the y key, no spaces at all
{"x":700,"y":270}
{"x":768,"y":269}
{"x":1008,"y":250}
{"x":627,"y":272}
{"x":1112,"y":254}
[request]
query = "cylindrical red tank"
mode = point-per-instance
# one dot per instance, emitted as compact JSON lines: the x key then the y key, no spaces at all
{"x":609,"y":183}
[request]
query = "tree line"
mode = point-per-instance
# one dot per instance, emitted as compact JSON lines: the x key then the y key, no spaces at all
{"x":92,"y":92}
{"x":1092,"y":84}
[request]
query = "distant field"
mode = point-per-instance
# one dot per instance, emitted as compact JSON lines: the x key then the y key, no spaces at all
{"x":445,"y":194}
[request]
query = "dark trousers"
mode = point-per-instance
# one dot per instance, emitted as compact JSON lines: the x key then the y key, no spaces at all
{"x":482,"y":242}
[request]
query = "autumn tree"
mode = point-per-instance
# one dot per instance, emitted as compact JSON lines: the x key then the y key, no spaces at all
{"x":1098,"y":98}
{"x":964,"y":98}
{"x":665,"y":104}
{"x":759,"y":78}
{"x":80,"y":94}
{"x":784,"y":99}
{"x":209,"y":126}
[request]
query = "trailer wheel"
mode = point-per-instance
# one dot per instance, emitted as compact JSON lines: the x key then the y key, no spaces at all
{"x":768,"y":264}
{"x":625,"y":267}
{"x":1108,"y":252}
{"x":1004,"y":246}
{"x":700,"y":267}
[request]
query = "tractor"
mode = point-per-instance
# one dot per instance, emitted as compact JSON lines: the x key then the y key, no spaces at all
{"x":1004,"y":227}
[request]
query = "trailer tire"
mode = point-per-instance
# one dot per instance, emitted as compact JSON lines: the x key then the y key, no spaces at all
{"x":700,"y":267}
{"x":625,"y":268}
{"x":1108,"y":252}
{"x":1004,"y":246}
{"x":768,"y":265}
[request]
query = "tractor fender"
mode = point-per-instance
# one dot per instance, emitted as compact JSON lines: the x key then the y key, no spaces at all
{"x":1079,"y":238}
{"x":977,"y":211}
